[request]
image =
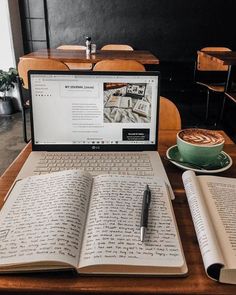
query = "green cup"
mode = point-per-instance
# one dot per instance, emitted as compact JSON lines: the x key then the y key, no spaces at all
{"x":199,"y":146}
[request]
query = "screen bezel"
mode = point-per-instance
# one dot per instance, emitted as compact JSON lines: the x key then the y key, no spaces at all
{"x":93,"y":147}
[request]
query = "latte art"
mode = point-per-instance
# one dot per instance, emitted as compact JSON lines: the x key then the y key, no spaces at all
{"x":201,"y":136}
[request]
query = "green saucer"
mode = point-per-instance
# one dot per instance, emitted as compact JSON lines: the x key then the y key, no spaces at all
{"x":221,"y":163}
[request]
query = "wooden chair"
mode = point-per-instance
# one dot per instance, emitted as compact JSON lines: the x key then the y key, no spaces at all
{"x":169,"y":117}
{"x":206,"y":67}
{"x":76,"y":65}
{"x":72,"y":47}
{"x":119,"y":65}
{"x":33,"y":64}
{"x":117,"y":47}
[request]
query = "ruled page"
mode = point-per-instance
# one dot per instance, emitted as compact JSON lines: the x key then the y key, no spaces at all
{"x":220,"y":197}
{"x":112,"y":234}
{"x":43,"y":218}
{"x":203,"y":223}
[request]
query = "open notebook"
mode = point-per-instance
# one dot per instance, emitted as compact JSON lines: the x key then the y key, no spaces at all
{"x":69,"y":219}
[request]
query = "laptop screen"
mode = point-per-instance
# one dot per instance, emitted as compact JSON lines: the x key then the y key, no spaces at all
{"x":94,"y":110}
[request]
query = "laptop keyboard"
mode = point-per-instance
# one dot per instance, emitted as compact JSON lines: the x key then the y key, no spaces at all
{"x":96,"y":163}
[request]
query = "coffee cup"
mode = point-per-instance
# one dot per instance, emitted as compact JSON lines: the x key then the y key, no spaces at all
{"x":199,"y":146}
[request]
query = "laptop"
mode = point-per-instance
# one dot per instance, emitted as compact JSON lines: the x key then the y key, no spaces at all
{"x":100,"y":122}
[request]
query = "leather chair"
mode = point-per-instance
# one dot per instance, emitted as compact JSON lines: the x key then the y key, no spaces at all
{"x":169,"y":116}
{"x":117,"y":47}
{"x":119,"y":65}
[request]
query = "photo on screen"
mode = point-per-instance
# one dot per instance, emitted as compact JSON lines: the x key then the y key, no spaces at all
{"x":127,"y":102}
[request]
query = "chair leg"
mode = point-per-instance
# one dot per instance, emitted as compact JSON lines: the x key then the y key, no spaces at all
{"x":207,"y":104}
{"x":221,"y":113}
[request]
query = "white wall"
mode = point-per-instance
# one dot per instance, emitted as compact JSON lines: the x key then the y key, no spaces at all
{"x":11,"y":45}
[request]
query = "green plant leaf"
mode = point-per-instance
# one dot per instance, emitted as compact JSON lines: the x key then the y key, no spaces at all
{"x":7,"y":79}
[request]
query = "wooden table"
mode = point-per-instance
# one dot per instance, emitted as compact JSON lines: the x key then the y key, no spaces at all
{"x":79,"y":56}
{"x":62,"y":283}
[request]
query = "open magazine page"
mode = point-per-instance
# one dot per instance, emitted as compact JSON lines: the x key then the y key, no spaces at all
{"x":220,"y":195}
{"x":43,"y":219}
{"x":207,"y":239}
{"x":112,"y":234}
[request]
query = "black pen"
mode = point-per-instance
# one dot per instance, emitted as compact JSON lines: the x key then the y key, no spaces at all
{"x":144,"y":213}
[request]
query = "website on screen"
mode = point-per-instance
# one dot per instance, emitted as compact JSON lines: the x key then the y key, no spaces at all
{"x":94,"y":109}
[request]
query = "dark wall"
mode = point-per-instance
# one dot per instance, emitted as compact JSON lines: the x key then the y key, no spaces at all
{"x":171,"y":29}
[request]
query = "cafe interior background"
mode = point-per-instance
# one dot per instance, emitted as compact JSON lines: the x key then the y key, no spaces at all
{"x":172,"y":30}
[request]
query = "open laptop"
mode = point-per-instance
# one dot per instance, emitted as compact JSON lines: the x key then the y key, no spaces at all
{"x":101,"y":122}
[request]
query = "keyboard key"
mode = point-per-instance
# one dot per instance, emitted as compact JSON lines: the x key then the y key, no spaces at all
{"x":113,"y":163}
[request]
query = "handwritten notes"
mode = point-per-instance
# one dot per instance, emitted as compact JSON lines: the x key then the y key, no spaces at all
{"x":113,"y":227}
{"x":70,"y":218}
{"x":44,"y":219}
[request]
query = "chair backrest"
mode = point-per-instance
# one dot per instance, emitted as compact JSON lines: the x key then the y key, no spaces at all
{"x":117,"y":47}
{"x":205,"y":63}
{"x":27,"y":64}
{"x":72,"y":47}
{"x":119,"y":65}
{"x":169,"y":117}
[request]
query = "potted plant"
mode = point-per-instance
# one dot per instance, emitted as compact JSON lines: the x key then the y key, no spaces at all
{"x":7,"y":83}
